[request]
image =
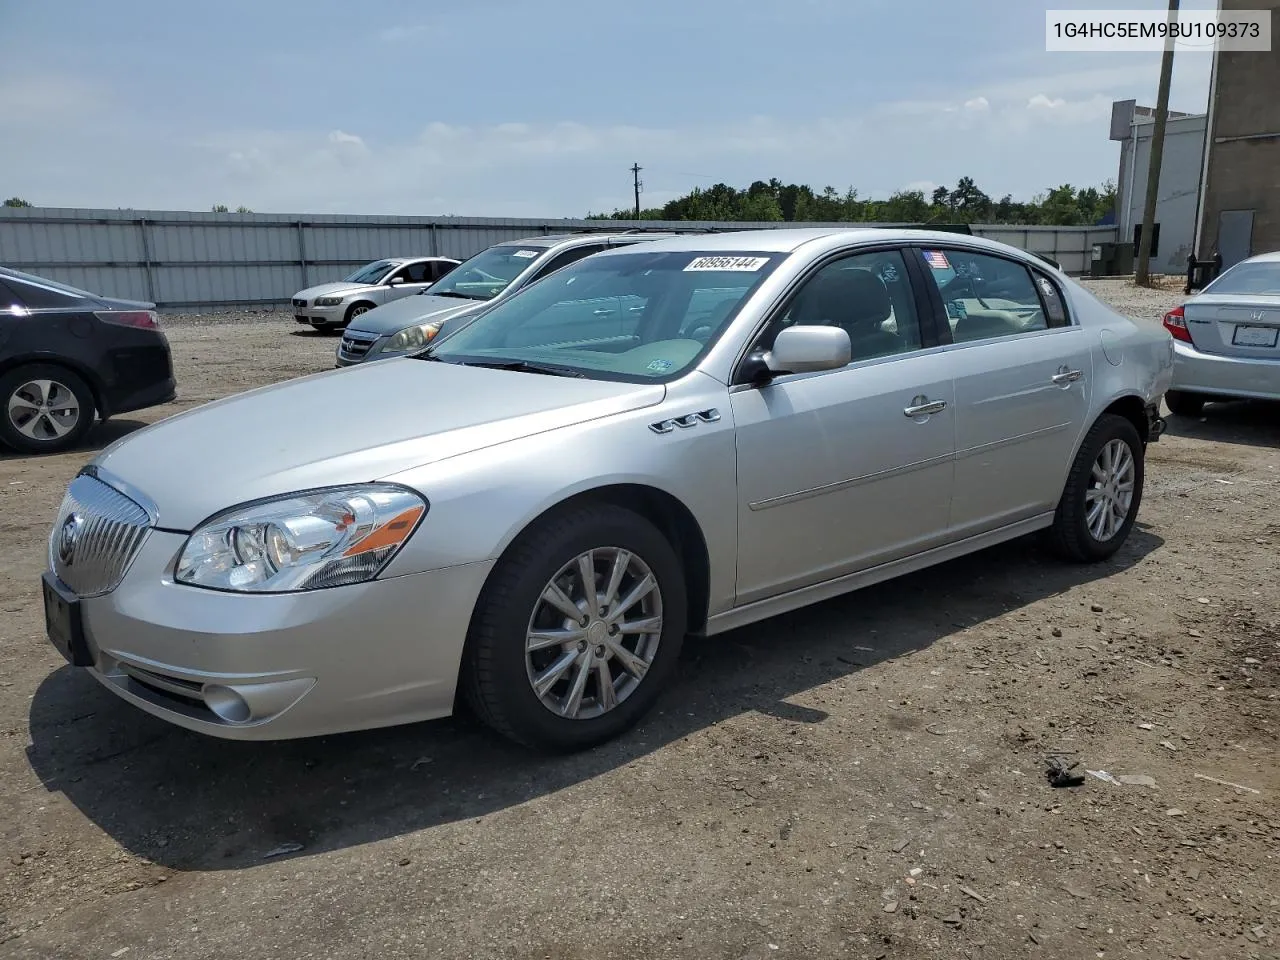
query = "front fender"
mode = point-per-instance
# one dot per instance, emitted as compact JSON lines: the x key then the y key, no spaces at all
{"x":481,"y":501}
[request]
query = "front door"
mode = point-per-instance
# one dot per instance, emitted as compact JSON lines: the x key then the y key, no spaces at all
{"x":1023,"y":372}
{"x":845,"y":469}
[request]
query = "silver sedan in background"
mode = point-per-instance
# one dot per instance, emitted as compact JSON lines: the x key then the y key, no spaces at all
{"x":1227,"y":338}
{"x":790,"y":415}
{"x":331,"y":306}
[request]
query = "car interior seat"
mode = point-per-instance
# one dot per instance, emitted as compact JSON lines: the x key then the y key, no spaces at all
{"x":858,"y":301}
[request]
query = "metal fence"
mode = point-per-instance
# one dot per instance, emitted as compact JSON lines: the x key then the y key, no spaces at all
{"x":179,"y":259}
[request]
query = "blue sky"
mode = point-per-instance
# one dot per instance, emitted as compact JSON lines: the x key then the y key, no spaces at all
{"x":523,"y":108}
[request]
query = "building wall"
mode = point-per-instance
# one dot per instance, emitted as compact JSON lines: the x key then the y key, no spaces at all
{"x":1243,"y":172}
{"x":182,"y":259}
{"x":1176,"y":200}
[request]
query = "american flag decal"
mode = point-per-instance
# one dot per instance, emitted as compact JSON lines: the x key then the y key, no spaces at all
{"x":937,"y":259}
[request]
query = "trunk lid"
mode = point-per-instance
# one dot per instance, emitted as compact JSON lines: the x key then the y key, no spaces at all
{"x":1235,"y":325}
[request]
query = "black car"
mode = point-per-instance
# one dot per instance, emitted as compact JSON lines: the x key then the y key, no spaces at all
{"x":66,"y":355}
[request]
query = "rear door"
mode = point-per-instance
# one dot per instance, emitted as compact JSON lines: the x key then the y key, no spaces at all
{"x":1023,"y":372}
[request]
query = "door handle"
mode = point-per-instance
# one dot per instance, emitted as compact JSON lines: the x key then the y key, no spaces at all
{"x":923,"y":407}
{"x":1064,"y":376}
{"x":603,"y":312}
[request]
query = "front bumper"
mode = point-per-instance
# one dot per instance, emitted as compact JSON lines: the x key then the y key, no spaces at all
{"x":325,"y":316}
{"x":1215,"y":375}
{"x":282,"y":666}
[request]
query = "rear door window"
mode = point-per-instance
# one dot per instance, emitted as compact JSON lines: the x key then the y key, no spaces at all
{"x":985,"y":296}
{"x":37,"y":296}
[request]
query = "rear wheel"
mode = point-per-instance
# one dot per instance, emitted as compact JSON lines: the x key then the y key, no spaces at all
{"x":1104,"y":490}
{"x":1185,"y":404}
{"x":577,"y":631}
{"x":47,"y":408}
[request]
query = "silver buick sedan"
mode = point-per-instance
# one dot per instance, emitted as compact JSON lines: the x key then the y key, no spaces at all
{"x":555,"y":495}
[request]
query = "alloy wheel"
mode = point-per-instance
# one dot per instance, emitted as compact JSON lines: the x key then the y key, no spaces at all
{"x":44,"y":410}
{"x":594,"y":633}
{"x":1109,"y":496}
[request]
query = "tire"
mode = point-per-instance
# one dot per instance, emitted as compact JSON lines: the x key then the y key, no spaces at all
{"x":355,"y":310}
{"x":1184,"y":404}
{"x":28,"y":427}
{"x":1077,"y":533}
{"x":498,"y":671}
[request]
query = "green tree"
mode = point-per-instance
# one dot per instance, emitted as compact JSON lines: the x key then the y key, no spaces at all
{"x":243,"y":209}
{"x":16,"y":202}
{"x":220,"y":208}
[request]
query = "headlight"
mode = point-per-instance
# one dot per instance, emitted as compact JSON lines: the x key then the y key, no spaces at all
{"x":410,"y":338}
{"x":328,"y":301}
{"x":306,"y":541}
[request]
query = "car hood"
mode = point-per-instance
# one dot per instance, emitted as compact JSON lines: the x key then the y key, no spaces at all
{"x":395,"y":316}
{"x":338,"y":287}
{"x":347,"y":426}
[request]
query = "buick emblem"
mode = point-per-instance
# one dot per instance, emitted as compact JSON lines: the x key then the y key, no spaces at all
{"x":67,"y":537}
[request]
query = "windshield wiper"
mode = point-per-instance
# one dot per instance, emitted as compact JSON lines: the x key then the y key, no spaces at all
{"x":525,"y":366}
{"x":452,"y":293}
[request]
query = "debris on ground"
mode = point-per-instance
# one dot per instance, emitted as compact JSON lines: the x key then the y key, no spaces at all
{"x":1058,"y":772}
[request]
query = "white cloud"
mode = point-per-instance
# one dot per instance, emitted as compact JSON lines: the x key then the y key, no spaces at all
{"x":1041,"y":102}
{"x":558,"y":168}
{"x":341,"y":136}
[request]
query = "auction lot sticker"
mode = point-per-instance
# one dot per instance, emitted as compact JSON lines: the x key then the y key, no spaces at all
{"x":738,"y":264}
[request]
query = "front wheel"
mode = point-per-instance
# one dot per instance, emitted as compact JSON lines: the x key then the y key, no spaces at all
{"x":577,"y":631}
{"x":1184,"y":404}
{"x":1103,"y":492}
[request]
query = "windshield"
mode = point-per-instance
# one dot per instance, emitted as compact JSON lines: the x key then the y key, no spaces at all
{"x":371,"y":272}
{"x":639,"y":317}
{"x":1262,"y":277}
{"x":486,"y":274}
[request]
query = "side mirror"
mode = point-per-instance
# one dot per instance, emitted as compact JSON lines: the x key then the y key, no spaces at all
{"x":396,"y":281}
{"x":805,"y":349}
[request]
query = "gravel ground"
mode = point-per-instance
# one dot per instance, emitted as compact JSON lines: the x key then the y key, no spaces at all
{"x":864,"y":778}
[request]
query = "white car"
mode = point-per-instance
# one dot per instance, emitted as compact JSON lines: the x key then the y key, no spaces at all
{"x":1227,"y":338}
{"x":333,"y":305}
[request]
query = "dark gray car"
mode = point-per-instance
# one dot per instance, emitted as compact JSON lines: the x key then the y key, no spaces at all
{"x":489,"y":277}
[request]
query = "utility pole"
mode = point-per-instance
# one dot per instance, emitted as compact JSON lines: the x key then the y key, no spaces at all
{"x":1143,"y":272}
{"x":635,"y":176}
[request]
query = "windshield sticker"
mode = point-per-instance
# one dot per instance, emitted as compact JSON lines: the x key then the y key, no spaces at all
{"x":736,"y":264}
{"x":525,"y":254}
{"x":956,"y":309}
{"x":937,"y":259}
{"x":658,"y":366}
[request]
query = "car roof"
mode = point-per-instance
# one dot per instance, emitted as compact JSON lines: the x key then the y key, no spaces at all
{"x":790,"y":239}
{"x":1272,"y":257}
{"x":569,"y":239}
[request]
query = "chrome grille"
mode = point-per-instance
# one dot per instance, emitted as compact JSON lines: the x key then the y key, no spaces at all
{"x":356,"y":345}
{"x":98,"y":532}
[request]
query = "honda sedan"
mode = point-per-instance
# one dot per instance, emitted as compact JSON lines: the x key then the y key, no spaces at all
{"x":791,"y":415}
{"x":1227,"y":338}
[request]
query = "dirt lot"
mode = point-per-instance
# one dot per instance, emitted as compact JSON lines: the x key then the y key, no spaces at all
{"x":864,"y":778}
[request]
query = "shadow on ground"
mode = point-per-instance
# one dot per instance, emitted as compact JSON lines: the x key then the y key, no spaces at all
{"x":1254,"y":423}
{"x":191,"y":802}
{"x":102,"y":435}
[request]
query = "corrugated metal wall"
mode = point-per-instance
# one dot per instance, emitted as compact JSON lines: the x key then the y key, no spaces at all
{"x":200,"y":260}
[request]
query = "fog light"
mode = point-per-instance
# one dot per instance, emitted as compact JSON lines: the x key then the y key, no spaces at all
{"x":227,"y":704}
